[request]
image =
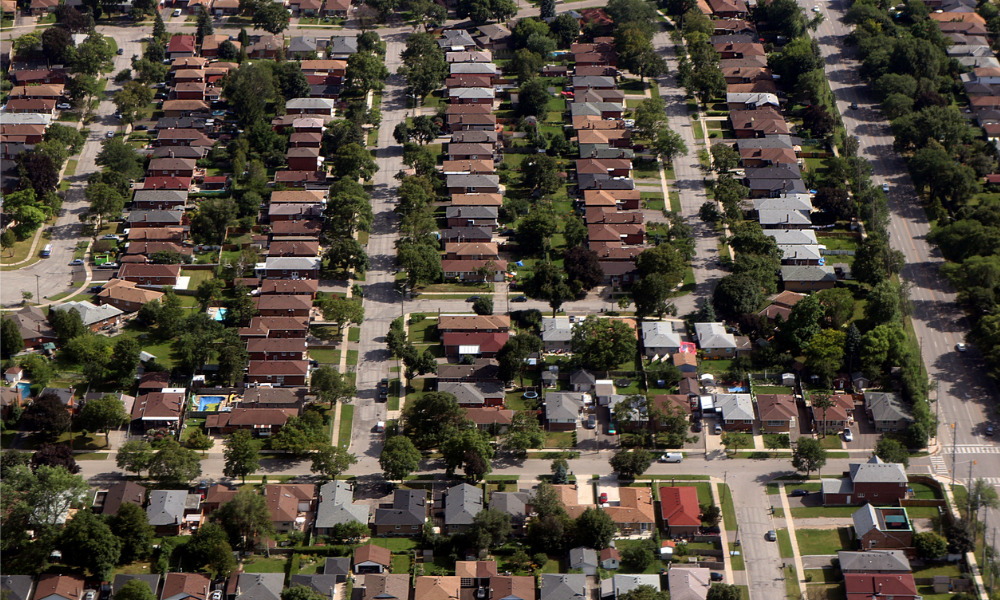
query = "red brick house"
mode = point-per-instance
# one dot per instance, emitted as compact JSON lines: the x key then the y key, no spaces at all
{"x":283,"y":306}
{"x":484,"y":345}
{"x":871,"y":481}
{"x":278,"y":372}
{"x":777,"y":412}
{"x":171,"y":167}
{"x":151,"y":275}
{"x":302,"y":159}
{"x":262,"y":422}
{"x":39,"y":106}
{"x":679,"y":510}
{"x":276,"y":327}
{"x":276,"y":348}
{"x":895,"y":586}
{"x":285,"y":287}
{"x":181,"y":46}
{"x":883,"y":528}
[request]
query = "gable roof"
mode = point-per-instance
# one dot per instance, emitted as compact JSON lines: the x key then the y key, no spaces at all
{"x":735,"y":407}
{"x":336,"y":505}
{"x":177,"y":586}
{"x":776,"y":407}
{"x":512,"y":503}
{"x":875,"y":470}
{"x":874,"y":560}
{"x":409,"y":507}
{"x":16,"y":587}
{"x":886,"y":406}
{"x":876,"y":586}
{"x":166,"y":507}
{"x":383,"y":586}
{"x":123,"y":492}
{"x":372,"y":553}
{"x":689,"y":584}
{"x":635,"y":505}
{"x":259,"y":586}
{"x":714,"y":335}
{"x":561,"y":586}
{"x":660,"y":334}
{"x":152,"y":580}
{"x":512,"y":587}
{"x":437,"y":587}
{"x":563,"y":406}
{"x":582,"y":557}
{"x":679,"y":506}
{"x":462,"y":503}
{"x":63,"y":586}
{"x":89,"y":312}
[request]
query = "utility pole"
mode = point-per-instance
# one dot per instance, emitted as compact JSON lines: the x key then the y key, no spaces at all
{"x":968,"y":511}
{"x":954,"y":453}
{"x":986,"y":514}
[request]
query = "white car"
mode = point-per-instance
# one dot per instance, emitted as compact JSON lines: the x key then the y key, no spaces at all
{"x":848,"y":436}
{"x":961,"y":347}
{"x":177,"y":12}
{"x":815,"y":9}
{"x":885,"y":187}
{"x":77,"y":261}
{"x":109,"y":134}
{"x":64,"y":106}
{"x":216,"y":595}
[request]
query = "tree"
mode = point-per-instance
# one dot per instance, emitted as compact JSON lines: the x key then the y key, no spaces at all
{"x":131,"y":526}
{"x":330,"y":461}
{"x":245,"y":518}
{"x":134,"y":456}
{"x":424,"y":65}
{"x":174,"y":464}
{"x":541,"y":172}
{"x":891,"y":451}
{"x":271,"y":17}
{"x":514,"y":352}
{"x":365,"y":72}
{"x":87,"y":542}
{"x":644,"y":592}
{"x":135,"y":589}
{"x":483,"y":305}
{"x":548,"y":9}
{"x":210,"y":550}
{"x":132,"y":99}
{"x":242,"y":455}
{"x":630,"y":463}
{"x":490,"y":528}
{"x":199,"y":440}
{"x":595,"y":529}
{"x":395,"y":338}
{"x":533,"y":98}
{"x":48,"y":415}
{"x":212,"y":221}
{"x":603,"y":344}
{"x":420,"y":260}
{"x":736,"y":295}
{"x":399,"y":458}
{"x":534,"y":231}
{"x":469,"y":448}
{"x":723,"y":591}
{"x":961,"y":537}
{"x":93,"y":55}
{"x":583,"y":265}
{"x":301,"y":435}
{"x":55,"y":455}
{"x":58,"y":46}
{"x":353,"y":162}
{"x":429,"y":420}
{"x":330,"y":386}
{"x":825,"y":354}
{"x":734,"y":440}
{"x":524,"y":432}
{"x":249,"y":88}
{"x":204,"y":24}
{"x":808,"y":456}
{"x":104,"y":414}
{"x":301,"y":592}
{"x":875,"y":262}
{"x":124,"y":362}
{"x":39,"y":170}
{"x":10,"y":336}
{"x":929,"y":545}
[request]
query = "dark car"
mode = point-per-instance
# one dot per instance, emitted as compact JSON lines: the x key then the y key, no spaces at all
{"x":141,"y":127}
{"x":714,"y":529}
{"x":854,"y":106}
{"x":796,"y":493}
{"x":120,"y":51}
{"x":519,"y":299}
{"x":696,"y":427}
{"x":472,"y":298}
{"x":989,"y":430}
{"x":383,"y":389}
{"x":716,"y":576}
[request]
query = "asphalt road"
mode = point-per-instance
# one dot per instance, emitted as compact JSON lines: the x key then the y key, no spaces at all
{"x":966,"y":397}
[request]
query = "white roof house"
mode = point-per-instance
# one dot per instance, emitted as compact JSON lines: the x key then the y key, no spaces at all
{"x":661,"y":337}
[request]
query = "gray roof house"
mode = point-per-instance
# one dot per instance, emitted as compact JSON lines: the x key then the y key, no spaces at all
{"x":887,"y":411}
{"x":342,"y":46}
{"x":150,"y":579}
{"x":737,"y":411}
{"x":456,"y":39}
{"x":584,"y":559}
{"x":16,"y":587}
{"x":338,"y":566}
{"x":336,"y":506}
{"x":557,"y":333}
{"x":473,"y":183}
{"x":792,"y":201}
{"x":770,"y":218}
{"x":787,"y":237}
{"x":689,"y":584}
{"x":461,"y":505}
{"x":871,"y":481}
{"x":714,"y":339}
{"x":311,"y":104}
{"x":468,"y":68}
{"x":166,"y":508}
{"x":661,"y":337}
{"x":302,"y":44}
{"x":259,"y":586}
{"x":514,"y":504}
{"x":562,"y":410}
{"x":561,"y":586}
{"x":406,"y":516}
{"x":623,"y":584}
{"x":874,"y":561}
{"x":322,"y":584}
{"x":91,"y":314}
{"x":582,"y":380}
{"x":808,"y":277}
{"x":474,"y":393}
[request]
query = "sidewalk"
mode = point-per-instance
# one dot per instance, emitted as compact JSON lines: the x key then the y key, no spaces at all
{"x":800,"y":571}
{"x":723,"y":534}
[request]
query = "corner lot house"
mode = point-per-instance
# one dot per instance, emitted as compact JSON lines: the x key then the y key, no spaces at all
{"x":679,"y":510}
{"x":885,"y":527}
{"x":871,"y":481}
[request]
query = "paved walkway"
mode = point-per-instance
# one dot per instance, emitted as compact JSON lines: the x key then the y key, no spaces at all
{"x":800,"y":571}
{"x":723,"y":534}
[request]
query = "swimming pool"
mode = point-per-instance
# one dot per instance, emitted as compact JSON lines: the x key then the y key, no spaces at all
{"x":738,"y":389}
{"x":209,"y":403}
{"x":220,"y":314}
{"x":25,"y":388}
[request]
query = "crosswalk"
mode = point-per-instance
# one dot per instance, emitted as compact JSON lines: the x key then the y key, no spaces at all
{"x":971,"y":449}
{"x":939,"y":465}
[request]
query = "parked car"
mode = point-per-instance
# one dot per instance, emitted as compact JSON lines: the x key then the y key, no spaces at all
{"x":110,"y":236}
{"x":696,"y":427}
{"x":177,"y":12}
{"x":885,"y":187}
{"x":519,"y":299}
{"x":380,"y":427}
{"x":961,"y":347}
{"x":64,"y":106}
{"x":799,"y":492}
{"x":472,"y":298}
{"x":591,"y":421}
{"x":77,"y":261}
{"x":143,"y":128}
{"x":718,"y":429}
{"x":108,"y":265}
{"x":604,"y":498}
{"x":989,"y":430}
{"x":671,"y":457}
{"x":109,"y":134}
{"x":771,"y":536}
{"x":120,"y":51}
{"x":612,"y":430}
{"x":854,"y":106}
{"x":715,"y":576}
{"x":216,"y":595}
{"x":848,"y":436}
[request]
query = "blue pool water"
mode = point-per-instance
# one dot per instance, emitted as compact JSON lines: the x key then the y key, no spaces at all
{"x":204,"y":401}
{"x":220,"y":315}
{"x":25,"y":388}
{"x":737,"y":389}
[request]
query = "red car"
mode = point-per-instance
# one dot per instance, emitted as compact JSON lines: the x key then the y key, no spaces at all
{"x":568,"y":94}
{"x":604,"y":498}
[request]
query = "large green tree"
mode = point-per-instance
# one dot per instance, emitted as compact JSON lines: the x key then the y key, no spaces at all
{"x":87,"y":542}
{"x":431,"y":419}
{"x":399,"y":458}
{"x":131,"y":525}
{"x":603,"y":344}
{"x":242,"y":455}
{"x":809,"y":456}
{"x":245,"y":518}
{"x":103,"y":414}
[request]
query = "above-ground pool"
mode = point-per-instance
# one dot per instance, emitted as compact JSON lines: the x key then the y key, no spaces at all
{"x":25,"y":388}
{"x":209,"y":403}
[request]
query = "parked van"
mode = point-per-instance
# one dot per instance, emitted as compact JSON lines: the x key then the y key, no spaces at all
{"x":671,"y":457}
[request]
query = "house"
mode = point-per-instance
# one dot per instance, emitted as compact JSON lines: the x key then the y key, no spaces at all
{"x":871,"y":481}
{"x":51,"y":587}
{"x":303,"y":159}
{"x":95,"y":318}
{"x":185,"y":586}
{"x":160,"y":199}
{"x":461,"y":505}
{"x":405,"y":516}
{"x":887,"y":411}
{"x":689,"y":583}
{"x":557,"y":334}
{"x":808,"y":278}
{"x":258,"y":586}
{"x":277,"y":348}
{"x":634,"y":512}
{"x":777,"y":412}
{"x":152,"y":580}
{"x":472,"y":216}
{"x":166,"y":511}
{"x":283,"y":306}
{"x":337,"y":506}
{"x":33,"y":326}
{"x":278,"y":372}
{"x":679,"y":510}
{"x":736,"y":410}
{"x":13,"y":374}
{"x":153,"y":381}
{"x":882,"y":527}
{"x":751,"y":100}
{"x":835,"y":418}
{"x":482,"y":369}
{"x":515,"y":504}
{"x":758,"y":123}
{"x":865,"y":586}
{"x":512,"y":587}
{"x":276,"y":327}
{"x":289,"y":504}
{"x":291,"y":267}
{"x":474,"y":270}
{"x":216,"y":495}
{"x":473,"y":183}
{"x":660,"y":338}
{"x":386,"y":587}
{"x":471,"y":251}
{"x":623,"y":584}
{"x":456,"y":40}
{"x":335,"y":570}
{"x":336,"y":8}
{"x":475,"y":394}
{"x":714,"y":340}
{"x":150,"y":275}
{"x":372,"y":559}
{"x":609,"y":558}
{"x":563,"y":586}
{"x":181,"y":46}
{"x":279,"y":287}
{"x":437,"y":587}
{"x":562,"y":410}
{"x":123,"y":492}
{"x":476,"y":344}
{"x":584,"y":559}
{"x":874,"y":562}
{"x":158,"y":409}
{"x":687,"y":362}
{"x":582,"y":380}
{"x":182,"y":108}
{"x":781,"y":305}
{"x":310,"y":106}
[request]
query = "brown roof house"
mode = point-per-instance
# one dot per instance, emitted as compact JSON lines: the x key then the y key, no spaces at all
{"x":372,"y":559}
{"x":59,"y":587}
{"x":185,"y":586}
{"x":290,"y":505}
{"x":634,"y":512}
{"x":777,"y":412}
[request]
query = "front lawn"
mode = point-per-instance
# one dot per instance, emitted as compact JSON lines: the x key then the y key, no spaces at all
{"x":824,"y":541}
{"x":560,"y":439}
{"x":346,"y":425}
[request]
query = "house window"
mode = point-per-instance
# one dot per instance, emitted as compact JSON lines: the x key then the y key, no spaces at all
{"x":861,"y":495}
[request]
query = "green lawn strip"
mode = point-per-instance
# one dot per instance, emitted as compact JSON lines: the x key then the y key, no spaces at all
{"x":261,"y":564}
{"x":792,"y":590}
{"x":736,"y":561}
{"x":675,"y":201}
{"x":91,"y":456}
{"x":346,"y":425}
{"x":330,"y":356}
{"x":352,"y":358}
{"x":823,"y":541}
{"x":699,"y":133}
{"x":395,"y":545}
{"x":354,"y":334}
{"x":559,"y":439}
{"x":811,"y":512}
{"x":728,"y":508}
{"x":784,"y":544}
{"x":400,"y":564}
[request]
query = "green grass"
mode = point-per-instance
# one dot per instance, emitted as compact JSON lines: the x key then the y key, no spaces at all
{"x":559,"y":439}
{"x":922,"y":491}
{"x":329,"y":356}
{"x":675,"y":202}
{"x":812,"y":512}
{"x":949,"y":569}
{"x":354,"y":334}
{"x":396,"y":544}
{"x":823,"y":541}
{"x":423,"y":332}
{"x":831,"y":442}
{"x":784,"y":543}
{"x":400,"y":564}
{"x":90,"y":455}
{"x":736,"y":561}
{"x":197,"y":276}
{"x":346,"y":425}
{"x":792,"y":590}
{"x":352,"y":358}
{"x":699,"y":133}
{"x":261,"y":564}
{"x":728,"y":508}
